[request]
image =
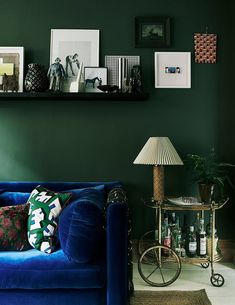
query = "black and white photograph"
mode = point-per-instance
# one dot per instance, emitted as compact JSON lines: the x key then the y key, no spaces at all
{"x":94,"y":77}
{"x":152,"y":32}
{"x":75,"y":49}
{"x":11,"y":69}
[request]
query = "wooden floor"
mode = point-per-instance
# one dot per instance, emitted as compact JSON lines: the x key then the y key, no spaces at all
{"x":195,"y":277}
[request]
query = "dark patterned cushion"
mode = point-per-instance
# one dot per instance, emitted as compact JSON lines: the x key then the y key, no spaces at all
{"x":13,"y":228}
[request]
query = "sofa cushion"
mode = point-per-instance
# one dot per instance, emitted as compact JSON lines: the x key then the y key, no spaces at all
{"x":13,"y":198}
{"x":33,"y":269}
{"x":80,"y":226}
{"x":45,"y":207}
{"x":13,"y":228}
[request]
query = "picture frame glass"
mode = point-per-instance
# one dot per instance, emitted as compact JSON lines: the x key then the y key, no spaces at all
{"x":172,"y":70}
{"x":94,"y":77}
{"x":11,"y":69}
{"x":152,"y":31}
{"x":76,"y":49}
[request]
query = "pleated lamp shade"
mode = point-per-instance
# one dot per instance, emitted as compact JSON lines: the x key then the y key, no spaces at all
{"x":158,"y":151}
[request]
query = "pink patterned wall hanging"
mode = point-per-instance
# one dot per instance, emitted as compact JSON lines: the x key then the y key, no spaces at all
{"x":205,"y":48}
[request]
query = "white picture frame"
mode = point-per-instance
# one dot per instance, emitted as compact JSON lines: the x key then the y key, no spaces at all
{"x":172,"y":69}
{"x":12,"y":65}
{"x":66,"y":44}
{"x":93,"y":77}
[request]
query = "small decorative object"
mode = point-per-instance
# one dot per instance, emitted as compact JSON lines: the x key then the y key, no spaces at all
{"x":152,"y":32}
{"x":76,"y":49}
{"x":5,"y":82}
{"x":11,"y":69}
{"x":111,"y":62}
{"x":94,"y":77}
{"x":209,"y":172}
{"x":205,"y":48}
{"x":108,"y":88}
{"x":158,"y":151}
{"x":184,"y":201}
{"x":36,"y":78}
{"x":136,"y":83}
{"x":56,"y":73}
{"x":122,"y":73}
{"x":172,"y":70}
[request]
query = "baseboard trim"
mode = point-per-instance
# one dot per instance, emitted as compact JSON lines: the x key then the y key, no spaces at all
{"x":227,"y":247}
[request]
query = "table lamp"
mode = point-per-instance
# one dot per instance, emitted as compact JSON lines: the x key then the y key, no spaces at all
{"x":158,"y":151}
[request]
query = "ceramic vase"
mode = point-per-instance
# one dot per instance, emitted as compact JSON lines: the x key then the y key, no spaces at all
{"x":36,"y":78}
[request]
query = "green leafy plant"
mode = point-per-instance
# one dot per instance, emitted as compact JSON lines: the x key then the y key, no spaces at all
{"x":208,"y":170}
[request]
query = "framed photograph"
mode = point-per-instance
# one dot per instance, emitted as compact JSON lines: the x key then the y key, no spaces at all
{"x":172,"y":69}
{"x":76,"y":49}
{"x":94,"y":77}
{"x":152,"y":32}
{"x":11,"y":69}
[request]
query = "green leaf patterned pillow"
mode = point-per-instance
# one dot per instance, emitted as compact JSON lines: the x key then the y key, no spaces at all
{"x":45,"y":207}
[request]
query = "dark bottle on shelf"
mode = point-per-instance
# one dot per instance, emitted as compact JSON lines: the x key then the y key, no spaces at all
{"x":184,"y":228}
{"x":191,"y":243}
{"x":197,"y":223}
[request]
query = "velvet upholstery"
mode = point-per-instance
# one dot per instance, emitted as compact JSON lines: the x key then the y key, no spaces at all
{"x":13,"y":198}
{"x":102,"y":281}
{"x":34,"y":269}
{"x":80,"y":226}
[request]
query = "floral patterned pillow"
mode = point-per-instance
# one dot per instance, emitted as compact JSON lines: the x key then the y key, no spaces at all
{"x":13,"y":228}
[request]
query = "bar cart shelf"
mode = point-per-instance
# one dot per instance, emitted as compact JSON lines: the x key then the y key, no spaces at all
{"x":160,"y":265}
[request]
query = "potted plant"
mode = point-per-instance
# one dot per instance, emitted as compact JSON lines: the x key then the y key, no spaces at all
{"x":209,"y":172}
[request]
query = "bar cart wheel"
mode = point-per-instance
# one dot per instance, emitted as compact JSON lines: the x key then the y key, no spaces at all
{"x":159,"y":266}
{"x":205,"y":265}
{"x":146,"y":241}
{"x":217,"y":280}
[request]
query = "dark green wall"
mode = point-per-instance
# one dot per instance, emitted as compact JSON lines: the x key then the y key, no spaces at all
{"x":88,"y":141}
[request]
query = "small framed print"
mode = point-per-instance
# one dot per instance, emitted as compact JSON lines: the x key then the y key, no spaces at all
{"x":93,"y":77}
{"x":172,"y":69}
{"x":11,"y":69}
{"x":152,"y":32}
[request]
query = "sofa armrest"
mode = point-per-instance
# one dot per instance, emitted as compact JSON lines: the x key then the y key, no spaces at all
{"x":117,"y":252}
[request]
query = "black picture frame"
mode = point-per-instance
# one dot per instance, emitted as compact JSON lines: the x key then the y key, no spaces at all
{"x":152,"y":32}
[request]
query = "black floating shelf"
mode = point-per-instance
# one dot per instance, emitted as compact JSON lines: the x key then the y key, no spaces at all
{"x":81,"y":96}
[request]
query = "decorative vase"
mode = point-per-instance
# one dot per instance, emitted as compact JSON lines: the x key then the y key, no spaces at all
{"x":136,"y":81}
{"x":36,"y":78}
{"x":206,"y":192}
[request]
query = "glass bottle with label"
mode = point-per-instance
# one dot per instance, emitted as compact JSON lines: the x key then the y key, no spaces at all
{"x":191,"y":243}
{"x":201,"y":244}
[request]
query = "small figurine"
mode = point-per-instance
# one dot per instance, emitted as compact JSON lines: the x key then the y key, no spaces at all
{"x":56,"y":73}
{"x":5,"y":82}
{"x":13,"y":84}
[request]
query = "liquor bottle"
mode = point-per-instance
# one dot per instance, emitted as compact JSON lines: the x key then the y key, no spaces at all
{"x":176,"y":236}
{"x":164,"y":228}
{"x":191,"y":243}
{"x":197,"y":223}
{"x":209,"y":227}
{"x":185,"y":227}
{"x":201,"y":240}
{"x":167,"y":242}
{"x":172,"y":220}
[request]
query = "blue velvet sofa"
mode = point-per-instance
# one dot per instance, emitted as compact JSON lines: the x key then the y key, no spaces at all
{"x":35,"y":278}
